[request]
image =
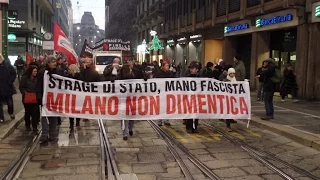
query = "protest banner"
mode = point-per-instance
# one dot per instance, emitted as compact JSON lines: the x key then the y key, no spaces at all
{"x":176,"y":98}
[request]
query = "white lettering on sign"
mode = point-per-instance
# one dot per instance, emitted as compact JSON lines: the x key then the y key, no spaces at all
{"x":15,"y":23}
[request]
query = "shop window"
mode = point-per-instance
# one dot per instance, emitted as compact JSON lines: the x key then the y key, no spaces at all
{"x":234,"y":6}
{"x":221,"y":8}
{"x":251,"y":3}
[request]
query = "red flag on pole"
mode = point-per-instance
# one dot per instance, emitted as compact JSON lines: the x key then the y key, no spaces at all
{"x":63,"y":45}
{"x":28,"y":58}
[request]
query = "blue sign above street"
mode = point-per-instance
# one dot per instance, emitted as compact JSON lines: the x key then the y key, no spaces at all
{"x":238,"y":27}
{"x":274,"y":20}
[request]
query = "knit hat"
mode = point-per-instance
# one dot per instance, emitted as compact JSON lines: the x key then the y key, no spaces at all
{"x":231,"y":70}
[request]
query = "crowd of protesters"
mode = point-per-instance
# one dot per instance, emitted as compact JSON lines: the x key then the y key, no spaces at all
{"x":31,"y":81}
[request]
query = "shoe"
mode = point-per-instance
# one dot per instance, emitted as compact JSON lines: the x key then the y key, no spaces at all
{"x":190,"y":131}
{"x":12,"y":116}
{"x":265,"y":118}
{"x":195,"y":131}
{"x":295,"y":100}
{"x":131,"y":133}
{"x":125,"y":138}
{"x":229,"y":129}
{"x":167,"y":124}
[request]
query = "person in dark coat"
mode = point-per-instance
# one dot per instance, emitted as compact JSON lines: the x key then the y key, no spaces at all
{"x":260,"y":77}
{"x":111,"y":72}
{"x":73,"y":73}
{"x":164,"y":72}
{"x":20,"y":65}
{"x":289,"y":85}
{"x":49,"y":124}
{"x":7,"y":89}
{"x":192,"y":124}
{"x":209,"y":71}
{"x":32,"y":110}
{"x":269,"y":87}
{"x":88,"y":73}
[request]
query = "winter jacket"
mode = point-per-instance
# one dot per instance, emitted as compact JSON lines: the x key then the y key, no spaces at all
{"x":27,"y":84}
{"x":289,"y":82}
{"x":89,"y":75}
{"x":40,"y":80}
{"x":206,"y":72}
{"x":20,"y":64}
{"x":259,"y":72}
{"x":268,"y":84}
{"x":240,"y":71}
{"x":107,"y":73}
{"x":7,"y":77}
{"x":163,"y":74}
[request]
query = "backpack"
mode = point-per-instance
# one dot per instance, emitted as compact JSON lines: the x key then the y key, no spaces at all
{"x":277,"y":76}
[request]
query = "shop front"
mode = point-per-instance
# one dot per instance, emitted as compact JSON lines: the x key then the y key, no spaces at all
{"x":169,"y":51}
{"x":195,"y":48}
{"x":181,"y":51}
{"x":271,"y":35}
{"x":22,"y":39}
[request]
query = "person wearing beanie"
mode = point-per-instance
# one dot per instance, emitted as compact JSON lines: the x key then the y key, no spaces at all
{"x":49,"y":129}
{"x":230,"y":78}
{"x":240,"y":68}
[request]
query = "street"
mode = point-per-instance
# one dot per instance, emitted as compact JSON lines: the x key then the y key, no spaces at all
{"x":145,"y":156}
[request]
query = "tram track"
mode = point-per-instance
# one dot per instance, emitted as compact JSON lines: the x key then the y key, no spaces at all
{"x":109,"y":169}
{"x":266,"y":158}
{"x":15,"y":169}
{"x":178,"y":150}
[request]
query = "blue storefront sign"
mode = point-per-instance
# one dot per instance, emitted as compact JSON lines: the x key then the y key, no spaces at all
{"x":238,"y":27}
{"x":274,"y":20}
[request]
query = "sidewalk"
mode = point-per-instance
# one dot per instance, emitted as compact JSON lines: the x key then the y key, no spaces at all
{"x":9,"y":125}
{"x":297,"y":121}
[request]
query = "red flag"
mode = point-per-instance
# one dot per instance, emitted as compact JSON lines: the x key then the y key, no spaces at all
{"x":63,"y":45}
{"x":29,"y":58}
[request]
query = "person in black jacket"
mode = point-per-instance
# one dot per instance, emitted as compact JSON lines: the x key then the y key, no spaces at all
{"x":192,"y":124}
{"x":269,"y":87}
{"x":289,"y":85}
{"x":89,"y":73}
{"x":164,"y":72}
{"x":260,"y":77}
{"x":49,"y":124}
{"x":73,"y":73}
{"x":32,"y":110}
{"x":7,"y":89}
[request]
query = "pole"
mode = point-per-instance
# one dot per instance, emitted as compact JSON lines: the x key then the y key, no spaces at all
{"x":4,"y":10}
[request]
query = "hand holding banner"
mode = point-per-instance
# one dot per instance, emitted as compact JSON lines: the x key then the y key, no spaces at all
{"x":180,"y":98}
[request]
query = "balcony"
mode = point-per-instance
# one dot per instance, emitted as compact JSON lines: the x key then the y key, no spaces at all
{"x":156,"y":9}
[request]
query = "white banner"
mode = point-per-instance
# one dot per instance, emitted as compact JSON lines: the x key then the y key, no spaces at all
{"x":178,"y":98}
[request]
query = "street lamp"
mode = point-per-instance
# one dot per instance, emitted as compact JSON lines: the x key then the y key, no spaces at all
{"x":78,"y":28}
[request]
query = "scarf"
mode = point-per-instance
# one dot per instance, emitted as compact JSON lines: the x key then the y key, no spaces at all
{"x":231,"y":79}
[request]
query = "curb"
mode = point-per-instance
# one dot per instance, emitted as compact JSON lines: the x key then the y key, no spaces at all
{"x":8,"y":129}
{"x":299,"y":136}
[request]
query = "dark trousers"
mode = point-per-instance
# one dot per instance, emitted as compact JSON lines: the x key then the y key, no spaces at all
{"x":294,"y":93}
{"x":71,"y":120}
{"x":9,"y":101}
{"x":268,"y":103}
{"x":19,"y":73}
{"x":228,"y":122}
{"x":189,"y":124}
{"x":32,"y":115}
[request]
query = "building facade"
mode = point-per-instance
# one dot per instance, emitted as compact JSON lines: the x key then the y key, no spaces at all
{"x":70,"y":21}
{"x":61,"y":14}
{"x":119,"y":19}
{"x":28,"y":21}
{"x":86,"y":30}
{"x":207,"y":30}
{"x":149,"y":17}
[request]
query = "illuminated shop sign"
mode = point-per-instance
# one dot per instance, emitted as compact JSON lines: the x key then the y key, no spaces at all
{"x":238,"y":27}
{"x":13,"y":23}
{"x":317,"y":11}
{"x":196,"y":36}
{"x":12,"y":37}
{"x":182,"y":39}
{"x":274,"y":20}
{"x":171,"y":41}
